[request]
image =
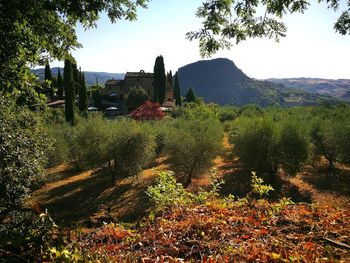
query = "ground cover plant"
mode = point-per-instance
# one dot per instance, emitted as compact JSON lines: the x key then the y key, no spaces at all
{"x":203,"y":227}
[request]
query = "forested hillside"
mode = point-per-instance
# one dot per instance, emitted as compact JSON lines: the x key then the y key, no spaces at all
{"x":338,"y":88}
{"x":90,"y":76}
{"x":220,"y":81}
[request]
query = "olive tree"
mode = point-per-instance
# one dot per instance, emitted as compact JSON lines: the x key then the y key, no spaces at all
{"x":255,"y":142}
{"x":293,"y":145}
{"x":131,"y":148}
{"x":88,"y":141}
{"x":191,"y":145}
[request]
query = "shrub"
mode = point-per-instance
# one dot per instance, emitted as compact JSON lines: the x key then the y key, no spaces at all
{"x":255,"y":142}
{"x":132,"y":147}
{"x":326,"y":141}
{"x":251,"y":110}
{"x":192,"y":145}
{"x":167,"y":192}
{"x":196,"y":111}
{"x":136,"y":97}
{"x":148,"y":111}
{"x":58,"y":152}
{"x":344,"y":136}
{"x":227,"y":113}
{"x":293,"y":146}
{"x":23,"y":143}
{"x":88,"y":141}
{"x":160,"y":129}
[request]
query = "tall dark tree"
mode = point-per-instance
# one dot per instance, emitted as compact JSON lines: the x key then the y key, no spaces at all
{"x":48,"y":73}
{"x":76,"y":77}
{"x":169,"y":78}
{"x":69,"y":91}
{"x":159,"y":81}
{"x":177,"y":91}
{"x":59,"y":85}
{"x":48,"y":81}
{"x":190,"y":97}
{"x":83,"y":99}
{"x":96,"y":94}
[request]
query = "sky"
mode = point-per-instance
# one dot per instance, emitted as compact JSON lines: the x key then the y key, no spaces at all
{"x":311,"y":49}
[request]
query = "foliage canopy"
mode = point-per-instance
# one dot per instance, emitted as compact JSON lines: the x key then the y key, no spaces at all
{"x":224,"y":20}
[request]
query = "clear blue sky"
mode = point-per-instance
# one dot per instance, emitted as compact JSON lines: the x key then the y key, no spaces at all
{"x":311,"y":48}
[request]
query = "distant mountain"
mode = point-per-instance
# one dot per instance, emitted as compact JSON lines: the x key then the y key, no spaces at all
{"x":220,"y":81}
{"x":90,"y":76}
{"x":338,"y":88}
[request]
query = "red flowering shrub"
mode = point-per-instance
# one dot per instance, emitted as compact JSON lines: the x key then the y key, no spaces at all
{"x":148,"y":111}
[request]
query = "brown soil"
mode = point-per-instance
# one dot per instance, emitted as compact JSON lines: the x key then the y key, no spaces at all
{"x":72,"y":197}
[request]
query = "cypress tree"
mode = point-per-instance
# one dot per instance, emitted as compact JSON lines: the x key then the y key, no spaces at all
{"x":177,"y":91}
{"x":83,"y":99}
{"x":48,"y":77}
{"x":48,"y":74}
{"x":69,"y":91}
{"x":190,"y":97}
{"x":76,"y":81}
{"x":159,"y":81}
{"x":169,"y":77}
{"x":59,"y":85}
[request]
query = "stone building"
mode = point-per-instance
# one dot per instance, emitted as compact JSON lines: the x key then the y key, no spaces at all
{"x":121,"y":88}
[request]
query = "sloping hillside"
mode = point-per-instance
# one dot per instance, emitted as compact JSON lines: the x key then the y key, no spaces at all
{"x":90,"y":76}
{"x":338,"y":88}
{"x":221,"y":81}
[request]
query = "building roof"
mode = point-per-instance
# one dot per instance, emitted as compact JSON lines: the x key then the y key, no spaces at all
{"x":141,"y":74}
{"x":114,"y":82}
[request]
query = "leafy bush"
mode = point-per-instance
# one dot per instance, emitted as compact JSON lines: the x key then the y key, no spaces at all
{"x":325,"y":138}
{"x":160,"y":129}
{"x":265,"y":145}
{"x":132,"y":147}
{"x":58,"y":152}
{"x":197,"y":111}
{"x":88,"y":141}
{"x":256,"y":143}
{"x":344,"y":154}
{"x":331,"y":139}
{"x":167,"y":192}
{"x":136,"y":97}
{"x":192,"y":145}
{"x":251,"y":110}
{"x":227,"y":113}
{"x":148,"y":111}
{"x":293,"y":146}
{"x":22,"y":153}
{"x":259,"y":187}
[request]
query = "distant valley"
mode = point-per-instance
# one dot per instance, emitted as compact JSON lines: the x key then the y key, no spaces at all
{"x":339,"y":88}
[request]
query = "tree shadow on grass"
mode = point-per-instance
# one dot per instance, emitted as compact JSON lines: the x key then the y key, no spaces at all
{"x":75,"y":202}
{"x":61,"y":172}
{"x":320,"y":178}
{"x":237,"y":178}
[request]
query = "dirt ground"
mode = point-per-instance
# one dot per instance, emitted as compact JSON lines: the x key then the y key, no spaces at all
{"x":73,"y":197}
